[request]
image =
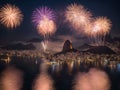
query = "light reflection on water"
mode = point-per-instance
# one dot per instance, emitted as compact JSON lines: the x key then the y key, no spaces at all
{"x":43,"y":82}
{"x":95,"y":79}
{"x":11,"y":79}
{"x":118,"y":67}
{"x":42,"y":75}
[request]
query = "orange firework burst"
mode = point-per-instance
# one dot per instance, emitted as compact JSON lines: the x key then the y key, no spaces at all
{"x":77,"y":16}
{"x":97,"y":29}
{"x":46,"y":26}
{"x":10,"y":16}
{"x":101,"y":25}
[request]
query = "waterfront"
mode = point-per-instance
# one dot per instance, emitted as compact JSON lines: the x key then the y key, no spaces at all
{"x":63,"y":68}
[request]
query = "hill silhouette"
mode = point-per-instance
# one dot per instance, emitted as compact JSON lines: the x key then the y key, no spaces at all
{"x":19,"y":46}
{"x":100,"y":50}
{"x":84,"y":47}
{"x":67,"y":47}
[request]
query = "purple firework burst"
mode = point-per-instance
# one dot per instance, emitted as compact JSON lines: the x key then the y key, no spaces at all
{"x":42,"y":12}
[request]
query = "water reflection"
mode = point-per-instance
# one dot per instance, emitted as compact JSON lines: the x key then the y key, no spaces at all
{"x":93,"y":80}
{"x":43,"y":74}
{"x":11,"y":79}
{"x":43,"y":80}
{"x":118,"y":67}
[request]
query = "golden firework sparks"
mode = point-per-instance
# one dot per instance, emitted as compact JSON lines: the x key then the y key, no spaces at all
{"x":77,"y":16}
{"x":46,"y":26}
{"x":10,"y":16}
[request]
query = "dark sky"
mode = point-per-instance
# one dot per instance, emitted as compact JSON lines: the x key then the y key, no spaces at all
{"x":26,"y":30}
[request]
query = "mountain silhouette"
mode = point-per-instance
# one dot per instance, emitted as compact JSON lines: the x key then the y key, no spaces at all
{"x":67,"y":47}
{"x":19,"y":46}
{"x":100,"y":50}
{"x":84,"y":47}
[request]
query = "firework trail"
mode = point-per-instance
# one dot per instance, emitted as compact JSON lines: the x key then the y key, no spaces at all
{"x":77,"y":16}
{"x":44,"y":45}
{"x":11,"y":79}
{"x":93,"y":80}
{"x":10,"y":16}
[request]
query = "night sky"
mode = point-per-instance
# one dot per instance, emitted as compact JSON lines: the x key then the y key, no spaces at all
{"x":26,"y":30}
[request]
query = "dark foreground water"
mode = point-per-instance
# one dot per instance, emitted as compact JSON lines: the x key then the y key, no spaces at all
{"x":62,"y":78}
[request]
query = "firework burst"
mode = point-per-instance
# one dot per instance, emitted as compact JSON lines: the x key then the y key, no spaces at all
{"x":77,"y":16}
{"x":101,"y":25}
{"x":46,"y":26}
{"x":44,"y":20}
{"x":10,"y":16}
{"x":97,"y":30}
